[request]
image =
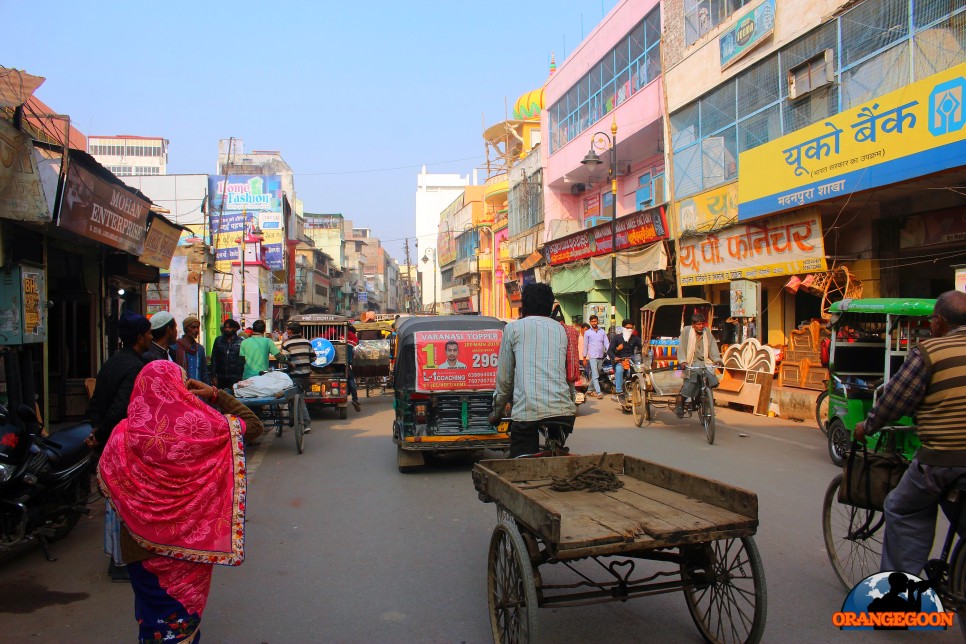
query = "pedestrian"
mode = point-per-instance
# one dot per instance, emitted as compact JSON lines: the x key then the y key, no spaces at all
{"x":256,"y":351}
{"x":930,"y":384}
{"x":625,"y":345}
{"x":227,"y":365}
{"x":300,"y":356}
{"x":189,"y":353}
{"x":697,"y":347}
{"x":164,"y":334}
{"x":174,"y":474}
{"x":573,"y":352}
{"x":595,"y":348}
{"x":112,"y":392}
{"x":582,"y":328}
{"x":352,"y":341}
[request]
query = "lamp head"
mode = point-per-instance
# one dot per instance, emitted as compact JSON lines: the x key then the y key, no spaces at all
{"x":425,"y":259}
{"x":591,"y":159}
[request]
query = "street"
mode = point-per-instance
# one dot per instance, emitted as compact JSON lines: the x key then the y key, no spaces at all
{"x":341,"y":547}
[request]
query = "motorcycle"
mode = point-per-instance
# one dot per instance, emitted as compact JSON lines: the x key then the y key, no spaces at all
{"x":45,"y":481}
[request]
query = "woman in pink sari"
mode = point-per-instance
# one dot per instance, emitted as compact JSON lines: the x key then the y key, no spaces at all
{"x":174,"y":472}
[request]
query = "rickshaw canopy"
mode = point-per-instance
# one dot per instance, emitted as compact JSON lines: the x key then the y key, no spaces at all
{"x":405,"y":369}
{"x":654,"y":305}
{"x":886,"y":306}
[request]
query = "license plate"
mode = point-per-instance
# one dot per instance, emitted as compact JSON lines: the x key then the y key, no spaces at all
{"x":317,"y":388}
{"x":504,"y":426}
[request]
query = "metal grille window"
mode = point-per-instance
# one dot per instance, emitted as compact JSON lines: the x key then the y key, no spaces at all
{"x":633,"y":63}
{"x":876,"y":47}
{"x":525,"y":204}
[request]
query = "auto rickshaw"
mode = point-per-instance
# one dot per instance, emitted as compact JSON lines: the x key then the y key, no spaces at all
{"x":372,"y":357}
{"x":443,"y":383}
{"x":870,"y":340}
{"x":329,"y":380}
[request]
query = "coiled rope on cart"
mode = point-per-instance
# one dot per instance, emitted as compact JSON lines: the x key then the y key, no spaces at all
{"x":591,"y":479}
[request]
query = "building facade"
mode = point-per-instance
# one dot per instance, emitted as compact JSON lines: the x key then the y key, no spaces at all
{"x":434,"y":192}
{"x":127,"y":156}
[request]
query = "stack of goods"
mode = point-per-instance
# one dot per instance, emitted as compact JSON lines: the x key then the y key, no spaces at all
{"x":372,"y":351}
{"x":664,"y":352}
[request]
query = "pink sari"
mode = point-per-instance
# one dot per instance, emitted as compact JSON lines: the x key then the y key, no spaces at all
{"x":174,"y":471}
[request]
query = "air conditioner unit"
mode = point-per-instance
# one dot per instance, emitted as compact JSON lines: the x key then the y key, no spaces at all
{"x":578,"y":189}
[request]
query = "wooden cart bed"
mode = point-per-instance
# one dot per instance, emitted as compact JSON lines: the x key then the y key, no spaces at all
{"x":657,"y":507}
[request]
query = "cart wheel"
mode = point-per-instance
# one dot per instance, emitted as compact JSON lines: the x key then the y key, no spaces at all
{"x":838,"y":442}
{"x":853,"y":537}
{"x":637,"y":402}
{"x":957,"y":580}
{"x":821,"y":412}
{"x":726,"y":594}
{"x":343,"y":412}
{"x":707,"y":414}
{"x":510,"y":587}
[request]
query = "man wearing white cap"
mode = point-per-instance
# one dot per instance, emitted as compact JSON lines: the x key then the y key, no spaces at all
{"x":164,"y":333}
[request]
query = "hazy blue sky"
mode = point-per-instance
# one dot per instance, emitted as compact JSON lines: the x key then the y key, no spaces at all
{"x":356,"y":95}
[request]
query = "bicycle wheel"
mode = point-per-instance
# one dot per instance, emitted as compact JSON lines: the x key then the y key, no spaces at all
{"x":853,"y":537}
{"x":637,"y":402}
{"x":510,"y":587}
{"x":821,"y":412}
{"x":707,"y":413}
{"x":726,"y":592}
{"x":957,"y":583}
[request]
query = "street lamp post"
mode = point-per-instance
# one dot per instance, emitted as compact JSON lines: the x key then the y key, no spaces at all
{"x":431,"y":252}
{"x":600,"y":141}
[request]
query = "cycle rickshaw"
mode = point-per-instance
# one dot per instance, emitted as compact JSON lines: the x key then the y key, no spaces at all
{"x":372,"y":357}
{"x":657,"y":380}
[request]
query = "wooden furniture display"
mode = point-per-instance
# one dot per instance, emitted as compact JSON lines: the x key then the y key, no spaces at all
{"x":749,"y":370}
{"x":802,"y":366}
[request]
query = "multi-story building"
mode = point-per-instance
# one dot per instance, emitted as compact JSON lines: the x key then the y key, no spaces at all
{"x":817,"y":146}
{"x":327,"y":233}
{"x":433,"y":193}
{"x":127,"y":155}
{"x":312,"y":281}
{"x":459,"y":243}
{"x":607,"y":93}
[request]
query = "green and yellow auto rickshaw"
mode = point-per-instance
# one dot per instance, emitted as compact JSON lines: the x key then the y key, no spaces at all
{"x":443,"y":381}
{"x":870,"y":340}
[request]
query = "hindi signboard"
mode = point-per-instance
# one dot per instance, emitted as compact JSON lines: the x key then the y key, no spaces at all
{"x":107,"y":213}
{"x":159,"y":245}
{"x":783,"y":245}
{"x":457,"y":360}
{"x":22,"y":195}
{"x":914,"y":131}
{"x":634,"y":230}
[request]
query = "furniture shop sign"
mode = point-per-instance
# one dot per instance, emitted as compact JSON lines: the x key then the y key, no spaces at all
{"x":457,"y":360}
{"x":637,"y":229}
{"x":914,"y":131}
{"x":782,"y":245}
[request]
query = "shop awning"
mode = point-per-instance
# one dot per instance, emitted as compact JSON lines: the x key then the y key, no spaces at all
{"x":532,"y":260}
{"x":653,"y":258}
{"x":575,"y":280}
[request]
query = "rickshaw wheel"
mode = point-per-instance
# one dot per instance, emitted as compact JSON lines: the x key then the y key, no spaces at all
{"x":727,"y":597}
{"x":821,"y":412}
{"x":343,"y":412}
{"x":838,"y":442}
{"x":707,"y":414}
{"x":637,"y":402}
{"x":853,"y":540}
{"x":510,"y":586}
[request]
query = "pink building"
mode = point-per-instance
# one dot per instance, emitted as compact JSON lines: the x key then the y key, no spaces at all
{"x":613,"y":77}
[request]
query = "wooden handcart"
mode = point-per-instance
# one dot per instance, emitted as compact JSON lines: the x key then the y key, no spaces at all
{"x":696,"y":534}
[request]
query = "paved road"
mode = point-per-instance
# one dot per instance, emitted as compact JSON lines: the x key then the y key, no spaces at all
{"x":343,"y":548}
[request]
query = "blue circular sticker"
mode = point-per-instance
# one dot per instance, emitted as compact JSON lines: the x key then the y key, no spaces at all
{"x":324,"y":352}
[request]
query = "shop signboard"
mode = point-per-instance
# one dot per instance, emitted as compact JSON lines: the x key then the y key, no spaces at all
{"x":960,"y":277}
{"x":461,"y":291}
{"x":747,"y":33}
{"x":783,"y":245}
{"x":710,"y":210}
{"x":106,"y":213}
{"x":938,"y":227}
{"x":744,"y":299}
{"x":252,"y":203}
{"x":592,"y":206}
{"x":22,"y":195}
{"x":23,"y":319}
{"x":160,"y":243}
{"x":457,"y":360}
{"x":914,"y":131}
{"x":634,"y":230}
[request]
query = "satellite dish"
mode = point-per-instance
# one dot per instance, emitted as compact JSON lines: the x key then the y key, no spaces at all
{"x":324,"y":352}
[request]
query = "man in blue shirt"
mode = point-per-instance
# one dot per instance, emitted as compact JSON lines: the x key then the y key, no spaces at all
{"x":595,"y":348}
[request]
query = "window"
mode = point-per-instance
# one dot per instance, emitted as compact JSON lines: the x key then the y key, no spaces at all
{"x":810,"y":75}
{"x":642,"y":197}
{"x":701,"y":16}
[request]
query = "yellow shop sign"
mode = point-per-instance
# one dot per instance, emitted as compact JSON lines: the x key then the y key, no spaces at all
{"x":911,"y":132}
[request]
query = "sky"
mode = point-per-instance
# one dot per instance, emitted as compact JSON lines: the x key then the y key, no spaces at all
{"x":356,"y":97}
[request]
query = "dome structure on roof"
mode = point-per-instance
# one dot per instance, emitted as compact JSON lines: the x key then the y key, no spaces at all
{"x":528,"y":106}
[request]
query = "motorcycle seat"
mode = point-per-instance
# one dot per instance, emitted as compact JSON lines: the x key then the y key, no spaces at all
{"x":67,"y":446}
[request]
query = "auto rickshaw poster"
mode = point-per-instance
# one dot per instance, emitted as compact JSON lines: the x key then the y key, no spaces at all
{"x":457,"y":360}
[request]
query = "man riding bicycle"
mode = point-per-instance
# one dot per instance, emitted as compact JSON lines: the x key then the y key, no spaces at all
{"x":932,"y":384}
{"x":532,"y":373}
{"x":697,"y":349}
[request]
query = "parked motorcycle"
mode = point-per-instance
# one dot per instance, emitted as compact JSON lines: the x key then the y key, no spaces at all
{"x":45,"y":482}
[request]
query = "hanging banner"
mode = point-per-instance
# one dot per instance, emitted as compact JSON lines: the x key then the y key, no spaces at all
{"x":21,"y":191}
{"x":104,"y":212}
{"x":252,"y":203}
{"x":783,"y":245}
{"x":912,"y":132}
{"x":457,"y":360}
{"x":637,"y":229}
{"x":160,"y":243}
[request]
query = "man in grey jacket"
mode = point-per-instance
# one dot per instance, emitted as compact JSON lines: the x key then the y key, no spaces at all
{"x":698,"y":348}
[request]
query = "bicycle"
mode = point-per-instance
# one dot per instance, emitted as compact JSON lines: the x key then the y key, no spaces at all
{"x":853,"y":541}
{"x":703,"y":403}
